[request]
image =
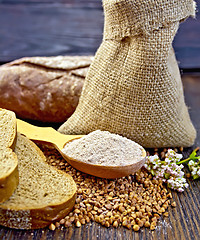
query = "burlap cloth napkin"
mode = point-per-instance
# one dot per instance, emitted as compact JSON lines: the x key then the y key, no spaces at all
{"x":133,"y":87}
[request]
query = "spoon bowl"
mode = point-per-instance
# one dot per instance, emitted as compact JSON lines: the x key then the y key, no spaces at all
{"x":58,"y":140}
{"x":109,"y":172}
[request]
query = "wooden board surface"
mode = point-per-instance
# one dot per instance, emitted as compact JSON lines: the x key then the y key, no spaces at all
{"x":183,"y":222}
{"x":74,"y":27}
{"x":70,"y":27}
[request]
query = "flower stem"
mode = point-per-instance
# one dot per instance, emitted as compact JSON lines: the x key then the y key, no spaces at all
{"x":183,"y":161}
{"x":189,"y":158}
{"x":196,"y":149}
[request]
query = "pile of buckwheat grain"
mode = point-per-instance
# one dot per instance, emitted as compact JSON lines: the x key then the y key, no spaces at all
{"x":133,"y":202}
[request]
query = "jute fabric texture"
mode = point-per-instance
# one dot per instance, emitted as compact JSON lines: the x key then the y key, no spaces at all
{"x":133,"y":87}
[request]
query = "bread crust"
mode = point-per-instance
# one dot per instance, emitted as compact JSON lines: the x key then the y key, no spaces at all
{"x":43,"y":217}
{"x":9,"y":183}
{"x":35,"y":218}
{"x":43,"y":88}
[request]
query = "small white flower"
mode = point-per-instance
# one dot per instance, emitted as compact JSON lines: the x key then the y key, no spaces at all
{"x":170,"y":151}
{"x":191,"y":163}
{"x":181,"y":174}
{"x":179,"y":156}
{"x":186,"y":185}
{"x":194,"y":172}
{"x":170,"y":181}
{"x":167,"y":160}
{"x":181,"y":166}
{"x":180,"y":189}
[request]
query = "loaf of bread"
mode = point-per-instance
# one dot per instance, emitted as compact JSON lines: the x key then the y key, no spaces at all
{"x":43,"y":88}
{"x":9,"y":176}
{"x":44,"y":194}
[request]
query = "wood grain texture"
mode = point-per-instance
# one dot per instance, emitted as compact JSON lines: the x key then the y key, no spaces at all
{"x":49,"y":30}
{"x":187,"y":42}
{"x":183,"y":222}
{"x":70,"y":27}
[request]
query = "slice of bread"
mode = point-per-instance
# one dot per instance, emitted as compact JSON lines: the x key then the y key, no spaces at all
{"x":9,"y":177}
{"x":8,"y":129}
{"x":44,"y":194}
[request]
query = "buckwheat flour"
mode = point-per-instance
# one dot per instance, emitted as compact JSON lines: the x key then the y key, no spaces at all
{"x":104,"y":148}
{"x":133,"y":87}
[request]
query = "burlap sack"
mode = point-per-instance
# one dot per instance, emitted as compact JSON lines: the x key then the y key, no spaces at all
{"x":133,"y":87}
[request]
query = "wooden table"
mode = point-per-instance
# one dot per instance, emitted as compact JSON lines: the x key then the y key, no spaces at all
{"x":74,"y":27}
{"x":183,"y":222}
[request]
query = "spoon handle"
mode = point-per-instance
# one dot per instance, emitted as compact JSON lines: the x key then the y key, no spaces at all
{"x":45,"y":134}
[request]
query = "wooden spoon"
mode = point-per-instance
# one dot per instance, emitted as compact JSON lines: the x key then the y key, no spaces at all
{"x":50,"y":135}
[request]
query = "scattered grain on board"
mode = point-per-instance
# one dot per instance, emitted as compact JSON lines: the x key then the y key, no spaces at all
{"x":52,"y":227}
{"x":133,"y":202}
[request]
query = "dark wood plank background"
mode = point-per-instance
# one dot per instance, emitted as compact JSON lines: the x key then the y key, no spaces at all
{"x":74,"y":27}
{"x":69,"y":27}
